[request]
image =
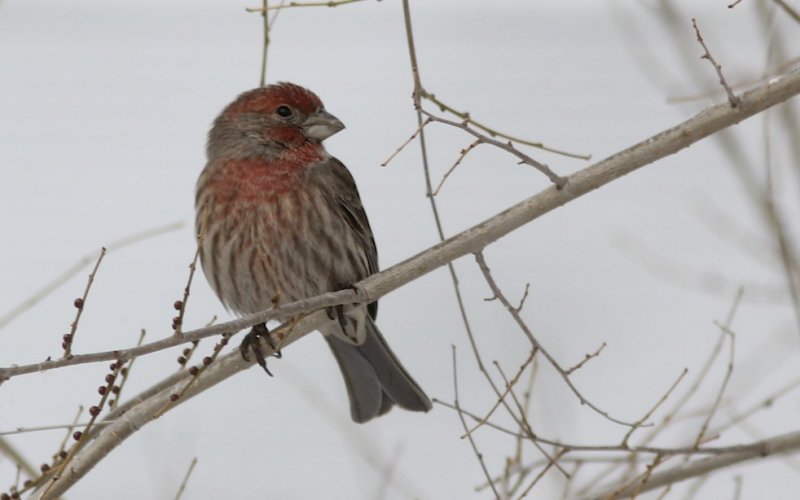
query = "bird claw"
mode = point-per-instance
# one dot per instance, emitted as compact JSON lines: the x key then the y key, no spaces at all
{"x":251,"y":342}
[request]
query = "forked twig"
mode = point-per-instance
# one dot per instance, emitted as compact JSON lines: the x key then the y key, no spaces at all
{"x":472,"y":443}
{"x":495,"y":133}
{"x":487,"y":274}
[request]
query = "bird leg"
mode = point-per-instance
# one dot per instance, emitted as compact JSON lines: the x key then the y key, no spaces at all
{"x":251,"y":342}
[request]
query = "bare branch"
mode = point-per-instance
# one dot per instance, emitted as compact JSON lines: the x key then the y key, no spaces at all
{"x":406,"y":143}
{"x":464,"y":152}
{"x":487,"y":274}
{"x":788,"y":10}
{"x":466,"y":428}
{"x":505,"y":146}
{"x":768,"y":447}
{"x":188,"y":472}
{"x":495,"y":133}
{"x":586,"y":358}
{"x":80,"y":302}
{"x":647,"y":415}
{"x":707,"y":55}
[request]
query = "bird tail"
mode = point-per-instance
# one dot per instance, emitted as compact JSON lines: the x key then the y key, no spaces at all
{"x":374,"y":377}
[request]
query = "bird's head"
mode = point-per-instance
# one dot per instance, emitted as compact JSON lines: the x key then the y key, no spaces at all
{"x":270,"y":121}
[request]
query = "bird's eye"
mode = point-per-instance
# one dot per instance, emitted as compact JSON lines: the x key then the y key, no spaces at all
{"x":284,"y":111}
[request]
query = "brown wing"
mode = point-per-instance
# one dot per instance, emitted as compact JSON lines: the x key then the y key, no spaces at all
{"x":352,"y":211}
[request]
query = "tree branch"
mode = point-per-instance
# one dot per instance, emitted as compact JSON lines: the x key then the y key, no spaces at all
{"x":773,"y":446}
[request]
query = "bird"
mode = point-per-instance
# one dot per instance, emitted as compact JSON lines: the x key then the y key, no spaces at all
{"x":279,"y":220}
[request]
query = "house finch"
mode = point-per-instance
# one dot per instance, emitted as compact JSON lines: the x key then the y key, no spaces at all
{"x":282,"y":221}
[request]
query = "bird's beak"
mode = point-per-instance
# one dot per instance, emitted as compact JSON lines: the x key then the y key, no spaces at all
{"x":322,"y":125}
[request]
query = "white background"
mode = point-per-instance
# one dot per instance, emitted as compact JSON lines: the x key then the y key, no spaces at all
{"x":104,"y":107}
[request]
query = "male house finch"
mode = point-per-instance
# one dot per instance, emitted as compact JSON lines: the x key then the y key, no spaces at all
{"x":282,"y":221}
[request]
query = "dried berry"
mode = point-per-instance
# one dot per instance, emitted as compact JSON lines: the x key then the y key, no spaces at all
{"x":178,"y":305}
{"x":78,"y":303}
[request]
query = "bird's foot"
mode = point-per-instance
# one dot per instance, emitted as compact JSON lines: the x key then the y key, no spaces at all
{"x":252,"y":342}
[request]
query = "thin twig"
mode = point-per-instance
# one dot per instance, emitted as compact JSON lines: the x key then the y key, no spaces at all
{"x":464,"y":152}
{"x":654,"y":408}
{"x":125,"y":373}
{"x":487,"y":274}
{"x":188,"y":474}
{"x":68,"y":434}
{"x":755,"y":446}
{"x":472,"y":443}
{"x":180,"y":305}
{"x":508,"y":388}
{"x":774,"y":446}
{"x":494,"y":133}
{"x":406,"y":143}
{"x":542,"y":473}
{"x":788,"y":10}
{"x":732,"y":98}
{"x":14,"y":456}
{"x":54,"y":427}
{"x":81,"y":437}
{"x":265,"y":49}
{"x":729,"y":369}
{"x":586,"y":358}
{"x":188,"y":352}
{"x":778,"y":226}
{"x":556,"y":179}
{"x":80,"y":303}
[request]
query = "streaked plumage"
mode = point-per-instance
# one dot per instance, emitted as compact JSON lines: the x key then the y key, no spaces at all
{"x":282,"y":221}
